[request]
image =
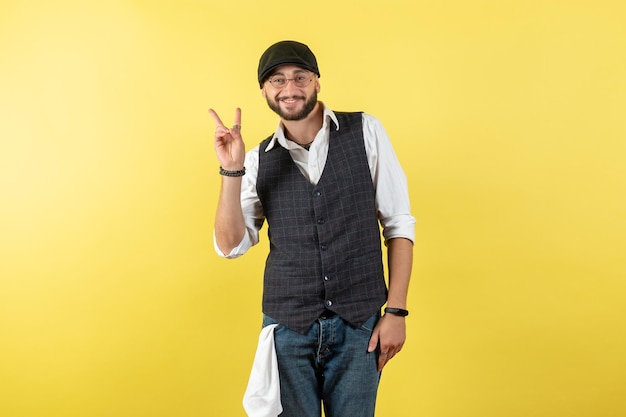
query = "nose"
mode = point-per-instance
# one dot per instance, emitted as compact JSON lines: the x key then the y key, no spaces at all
{"x":291,"y":85}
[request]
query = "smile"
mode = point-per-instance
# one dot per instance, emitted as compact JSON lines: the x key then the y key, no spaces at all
{"x":291,"y":100}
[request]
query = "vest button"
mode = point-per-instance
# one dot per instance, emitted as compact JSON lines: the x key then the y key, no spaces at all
{"x":326,"y":278}
{"x":323,"y":247}
{"x":317,"y":193}
{"x":321,"y":220}
{"x":328,"y":303}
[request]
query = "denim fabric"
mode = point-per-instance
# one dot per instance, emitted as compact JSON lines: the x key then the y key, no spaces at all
{"x":329,"y":366}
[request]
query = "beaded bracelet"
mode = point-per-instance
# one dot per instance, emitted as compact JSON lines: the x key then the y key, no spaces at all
{"x":239,"y":173}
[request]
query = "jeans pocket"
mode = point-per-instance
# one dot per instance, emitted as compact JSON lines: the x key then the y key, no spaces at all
{"x":369,"y":325}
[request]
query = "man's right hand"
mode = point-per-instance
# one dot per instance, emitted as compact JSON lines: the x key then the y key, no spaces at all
{"x":229,"y":146}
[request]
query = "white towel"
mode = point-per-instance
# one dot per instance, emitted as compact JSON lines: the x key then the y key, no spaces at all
{"x":262,"y":397}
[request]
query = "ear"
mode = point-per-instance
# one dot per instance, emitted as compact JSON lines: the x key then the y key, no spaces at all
{"x":318,"y":86}
{"x":263,"y":92}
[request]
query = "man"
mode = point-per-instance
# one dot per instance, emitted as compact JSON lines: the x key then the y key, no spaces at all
{"x":323,"y":181}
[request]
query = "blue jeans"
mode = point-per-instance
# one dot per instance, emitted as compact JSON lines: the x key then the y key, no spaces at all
{"x":328,"y":365}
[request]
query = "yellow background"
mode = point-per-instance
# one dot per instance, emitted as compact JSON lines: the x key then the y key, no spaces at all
{"x":508,"y":116}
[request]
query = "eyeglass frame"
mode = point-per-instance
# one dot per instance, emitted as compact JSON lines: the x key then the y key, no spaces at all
{"x":298,"y":74}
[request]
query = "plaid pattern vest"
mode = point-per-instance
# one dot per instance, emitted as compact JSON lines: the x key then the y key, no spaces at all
{"x":325,"y":246}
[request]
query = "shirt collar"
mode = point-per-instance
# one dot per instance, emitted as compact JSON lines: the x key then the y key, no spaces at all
{"x":279,"y":135}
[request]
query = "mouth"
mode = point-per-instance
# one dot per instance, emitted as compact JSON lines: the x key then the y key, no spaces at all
{"x":291,"y":100}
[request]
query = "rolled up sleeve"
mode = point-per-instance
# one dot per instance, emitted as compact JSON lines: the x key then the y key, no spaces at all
{"x":392,"y":191}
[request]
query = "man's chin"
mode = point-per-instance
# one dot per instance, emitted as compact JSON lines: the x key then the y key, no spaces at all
{"x":294,"y":117}
{"x":292,"y":111}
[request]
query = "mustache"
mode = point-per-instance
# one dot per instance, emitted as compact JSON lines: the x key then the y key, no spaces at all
{"x":290,"y":97}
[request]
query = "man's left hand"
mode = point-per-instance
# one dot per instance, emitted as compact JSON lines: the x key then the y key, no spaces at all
{"x":389,"y":336}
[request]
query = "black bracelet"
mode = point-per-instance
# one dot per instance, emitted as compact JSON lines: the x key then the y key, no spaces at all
{"x":239,"y":173}
{"x":397,"y":311}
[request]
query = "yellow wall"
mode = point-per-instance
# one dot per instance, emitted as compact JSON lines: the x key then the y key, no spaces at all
{"x":507,"y":115}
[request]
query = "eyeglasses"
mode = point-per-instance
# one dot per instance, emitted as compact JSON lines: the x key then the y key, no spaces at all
{"x":300,"y":80}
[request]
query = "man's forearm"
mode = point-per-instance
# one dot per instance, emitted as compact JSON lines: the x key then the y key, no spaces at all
{"x":229,"y":223}
{"x":400,"y":263}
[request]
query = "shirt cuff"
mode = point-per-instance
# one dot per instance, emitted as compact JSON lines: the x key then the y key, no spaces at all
{"x":401,"y":226}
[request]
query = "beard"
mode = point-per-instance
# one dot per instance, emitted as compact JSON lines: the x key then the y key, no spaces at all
{"x":309,"y":105}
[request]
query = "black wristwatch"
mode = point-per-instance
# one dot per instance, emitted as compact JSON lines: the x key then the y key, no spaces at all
{"x":397,"y":311}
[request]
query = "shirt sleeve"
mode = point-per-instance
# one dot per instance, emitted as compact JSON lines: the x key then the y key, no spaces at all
{"x":250,"y":206}
{"x":392,"y":194}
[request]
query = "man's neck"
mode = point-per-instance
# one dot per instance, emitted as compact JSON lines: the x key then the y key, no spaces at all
{"x":303,"y":131}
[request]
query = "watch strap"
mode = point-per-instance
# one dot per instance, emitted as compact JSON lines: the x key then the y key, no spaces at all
{"x":397,"y":311}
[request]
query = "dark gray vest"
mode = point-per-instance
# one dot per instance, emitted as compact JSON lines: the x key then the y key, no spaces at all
{"x":325,"y":248}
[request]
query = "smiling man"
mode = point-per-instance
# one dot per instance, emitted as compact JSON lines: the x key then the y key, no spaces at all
{"x":325,"y":182}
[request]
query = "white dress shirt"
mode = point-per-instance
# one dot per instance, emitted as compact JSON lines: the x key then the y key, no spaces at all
{"x":392,"y":197}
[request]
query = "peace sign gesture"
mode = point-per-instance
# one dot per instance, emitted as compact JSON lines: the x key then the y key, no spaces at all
{"x":229,"y":146}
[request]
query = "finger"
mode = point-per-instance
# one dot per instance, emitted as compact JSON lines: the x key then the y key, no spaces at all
{"x":373,"y":341}
{"x":221,"y":132}
{"x":238,"y":116}
{"x":382,"y":360}
{"x":216,"y":118}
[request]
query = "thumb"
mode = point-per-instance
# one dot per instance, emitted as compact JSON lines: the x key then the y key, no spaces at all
{"x":373,"y":340}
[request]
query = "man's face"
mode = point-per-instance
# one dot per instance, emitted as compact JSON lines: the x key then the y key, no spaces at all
{"x":296,"y":99}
